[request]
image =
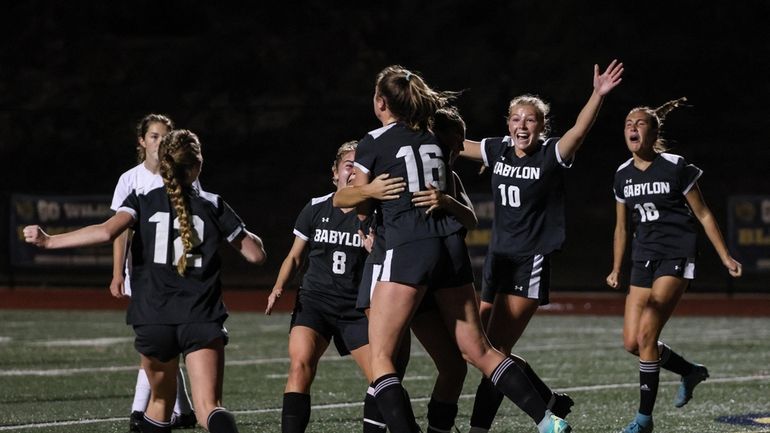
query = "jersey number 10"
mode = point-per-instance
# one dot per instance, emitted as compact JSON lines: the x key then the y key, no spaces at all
{"x":161,"y":220}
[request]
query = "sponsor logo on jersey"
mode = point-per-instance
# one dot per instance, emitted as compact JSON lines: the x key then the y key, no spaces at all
{"x":338,"y":238}
{"x":647,"y":188}
{"x":518,"y":288}
{"x":518,"y":172}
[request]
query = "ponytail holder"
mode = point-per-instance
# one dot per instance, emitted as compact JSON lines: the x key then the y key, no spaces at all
{"x":408,"y":75}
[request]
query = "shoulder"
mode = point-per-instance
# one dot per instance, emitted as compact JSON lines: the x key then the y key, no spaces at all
{"x":672,"y":158}
{"x":377,"y":133}
{"x":326,"y":199}
{"x":625,"y":164}
{"x":210,"y":198}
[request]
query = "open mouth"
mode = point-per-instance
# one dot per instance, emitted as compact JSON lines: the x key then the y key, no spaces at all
{"x":634,"y":137}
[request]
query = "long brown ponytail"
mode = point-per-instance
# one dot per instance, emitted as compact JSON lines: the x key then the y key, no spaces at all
{"x":179,"y":152}
{"x":409,"y":97}
{"x":658,"y":116}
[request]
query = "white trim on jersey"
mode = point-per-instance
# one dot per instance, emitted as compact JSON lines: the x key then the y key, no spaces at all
{"x":558,"y":155}
{"x":379,"y":131}
{"x":625,"y":164}
{"x":127,"y":210}
{"x":300,"y":235}
{"x":212,"y":198}
{"x":534,"y":278}
{"x":689,"y":269}
{"x":484,"y":152}
{"x":376,"y":271}
{"x":361,"y":167}
{"x":672,"y":158}
{"x":235,"y":233}
{"x":315,"y":200}
{"x":385,"y":274}
{"x":689,"y":187}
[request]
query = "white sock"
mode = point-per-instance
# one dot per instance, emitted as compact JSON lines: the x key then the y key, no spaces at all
{"x":182,"y":404}
{"x":141,"y":392}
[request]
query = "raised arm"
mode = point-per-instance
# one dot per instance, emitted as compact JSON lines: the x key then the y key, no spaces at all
{"x":706,"y":218}
{"x":619,"y":240}
{"x":290,"y":264}
{"x":472,"y":150}
{"x":250,"y":246}
{"x":603,"y":83}
{"x":90,"y":235}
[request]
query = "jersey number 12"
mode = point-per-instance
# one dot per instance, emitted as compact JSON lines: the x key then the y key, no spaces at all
{"x":161,"y":220}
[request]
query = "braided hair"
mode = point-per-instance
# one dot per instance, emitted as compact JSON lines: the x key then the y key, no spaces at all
{"x":179,"y":154}
{"x":657,"y":116}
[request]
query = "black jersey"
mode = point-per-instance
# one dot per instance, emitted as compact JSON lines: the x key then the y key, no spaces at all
{"x":529,"y":197}
{"x":418,"y":157}
{"x":160,"y":295}
{"x":661,"y":221}
{"x":336,"y":255}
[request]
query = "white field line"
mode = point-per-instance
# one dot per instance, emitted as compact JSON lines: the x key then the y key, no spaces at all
{"x":418,"y":400}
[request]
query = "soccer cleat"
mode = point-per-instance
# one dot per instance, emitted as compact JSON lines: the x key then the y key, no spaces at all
{"x":640,"y":424}
{"x":184,"y":420}
{"x":135,"y":421}
{"x":698,"y":374}
{"x":562,"y":405}
{"x":553,"y":424}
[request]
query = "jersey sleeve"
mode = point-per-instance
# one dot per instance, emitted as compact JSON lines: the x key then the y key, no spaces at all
{"x":130,"y":205}
{"x":617,"y":189}
{"x":122,"y":190}
{"x":303,"y":228}
{"x":365,"y":155}
{"x":492,"y":148}
{"x":555,"y":153}
{"x":688,"y":176}
{"x":230,"y":224}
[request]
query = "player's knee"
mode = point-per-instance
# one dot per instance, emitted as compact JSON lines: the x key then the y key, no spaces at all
{"x":301,"y":369}
{"x":631,"y":344}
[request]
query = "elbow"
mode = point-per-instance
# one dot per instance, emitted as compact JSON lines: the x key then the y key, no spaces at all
{"x":257,"y":257}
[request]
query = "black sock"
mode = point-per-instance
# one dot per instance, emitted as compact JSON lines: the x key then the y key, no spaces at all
{"x":672,"y":361}
{"x":394,"y":407}
{"x":373,"y":420}
{"x":221,"y":421}
{"x":510,"y":379}
{"x":545,"y":392}
{"x":441,"y":416}
{"x":296,"y":412}
{"x":486,"y":404}
{"x":151,"y":426}
{"x":649,"y":377}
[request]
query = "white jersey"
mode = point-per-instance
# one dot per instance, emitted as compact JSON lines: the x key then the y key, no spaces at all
{"x":141,"y":180}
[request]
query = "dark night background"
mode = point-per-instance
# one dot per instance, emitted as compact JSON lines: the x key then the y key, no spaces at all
{"x":272,"y":90}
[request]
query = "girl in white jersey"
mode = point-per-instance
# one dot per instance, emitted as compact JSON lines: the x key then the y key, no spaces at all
{"x":658,"y":192}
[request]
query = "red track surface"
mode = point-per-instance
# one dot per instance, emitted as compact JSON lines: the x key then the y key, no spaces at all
{"x":242,"y":300}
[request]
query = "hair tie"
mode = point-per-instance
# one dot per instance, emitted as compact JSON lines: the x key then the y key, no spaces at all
{"x":408,"y":75}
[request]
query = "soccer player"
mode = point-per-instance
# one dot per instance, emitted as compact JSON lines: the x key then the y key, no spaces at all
{"x":528,"y":189}
{"x":149,"y":132}
{"x":449,"y":128}
{"x":424,"y":251}
{"x":176,"y":304}
{"x":658,"y":191}
{"x":326,"y":302}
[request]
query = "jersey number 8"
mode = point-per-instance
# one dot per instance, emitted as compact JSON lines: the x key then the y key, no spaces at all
{"x":161,"y":220}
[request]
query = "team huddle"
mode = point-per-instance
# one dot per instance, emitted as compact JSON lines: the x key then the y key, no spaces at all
{"x":386,"y":255}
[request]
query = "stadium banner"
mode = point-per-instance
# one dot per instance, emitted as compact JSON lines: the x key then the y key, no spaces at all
{"x":57,"y":214}
{"x":748,"y":231}
{"x":478,"y":239}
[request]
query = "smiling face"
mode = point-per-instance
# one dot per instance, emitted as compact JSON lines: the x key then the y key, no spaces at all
{"x":343,"y":170}
{"x":525,"y":125}
{"x":640,"y":132}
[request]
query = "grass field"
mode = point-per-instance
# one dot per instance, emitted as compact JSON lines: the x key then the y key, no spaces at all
{"x":63,"y":372}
